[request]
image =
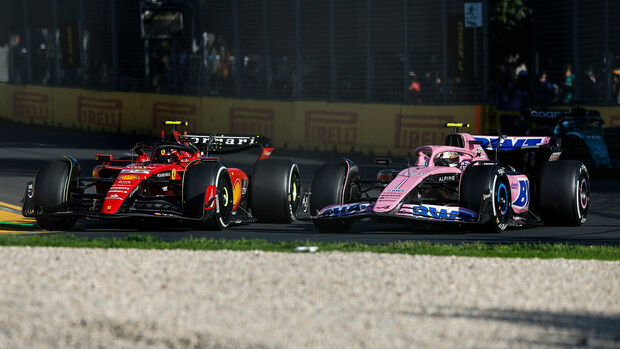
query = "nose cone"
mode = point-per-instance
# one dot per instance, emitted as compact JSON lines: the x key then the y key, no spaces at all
{"x":119,"y":191}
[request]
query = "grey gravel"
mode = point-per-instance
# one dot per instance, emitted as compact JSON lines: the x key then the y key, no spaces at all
{"x":95,"y":298}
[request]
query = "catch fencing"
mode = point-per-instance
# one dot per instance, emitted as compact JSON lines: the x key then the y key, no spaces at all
{"x":385,"y":51}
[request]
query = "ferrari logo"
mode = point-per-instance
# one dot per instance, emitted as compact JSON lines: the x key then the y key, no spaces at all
{"x":174,"y":174}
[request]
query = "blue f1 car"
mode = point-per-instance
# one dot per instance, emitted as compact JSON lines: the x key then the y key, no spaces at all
{"x":578,"y":131}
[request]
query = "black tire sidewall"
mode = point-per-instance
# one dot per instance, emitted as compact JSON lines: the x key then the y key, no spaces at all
{"x":330,"y":186}
{"x":275,"y":190}
{"x":196,"y":180}
{"x":51,"y":190}
{"x":480,"y":180}
{"x":559,"y":193}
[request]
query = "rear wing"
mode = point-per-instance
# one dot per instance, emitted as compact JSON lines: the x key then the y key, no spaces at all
{"x":228,"y":143}
{"x":513,"y":143}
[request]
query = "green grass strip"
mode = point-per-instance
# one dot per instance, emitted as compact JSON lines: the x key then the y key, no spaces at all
{"x":145,"y":241}
{"x":20,"y":225}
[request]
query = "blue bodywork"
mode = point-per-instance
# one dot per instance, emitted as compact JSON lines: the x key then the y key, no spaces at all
{"x":579,"y":132}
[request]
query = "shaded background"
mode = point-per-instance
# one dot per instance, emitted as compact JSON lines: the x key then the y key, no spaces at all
{"x":359,"y":50}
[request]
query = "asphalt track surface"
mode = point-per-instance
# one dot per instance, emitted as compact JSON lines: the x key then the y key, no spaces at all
{"x":23,"y":148}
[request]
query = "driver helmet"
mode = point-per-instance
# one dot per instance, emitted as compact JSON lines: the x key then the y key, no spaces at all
{"x":450,"y":157}
{"x":168,"y":155}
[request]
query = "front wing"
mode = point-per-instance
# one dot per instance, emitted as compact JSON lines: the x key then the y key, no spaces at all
{"x":421,"y":212}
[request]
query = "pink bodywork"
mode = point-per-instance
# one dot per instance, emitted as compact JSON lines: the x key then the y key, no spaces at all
{"x":519,"y":192}
{"x":409,"y":178}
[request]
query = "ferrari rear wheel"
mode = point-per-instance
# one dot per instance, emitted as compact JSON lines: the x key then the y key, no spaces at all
{"x":275,"y":190}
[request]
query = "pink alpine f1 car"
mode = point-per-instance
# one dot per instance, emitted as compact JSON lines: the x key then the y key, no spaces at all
{"x":471,"y":179}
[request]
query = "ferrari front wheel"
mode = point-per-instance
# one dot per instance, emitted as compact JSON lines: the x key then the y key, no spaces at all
{"x":52,"y":188}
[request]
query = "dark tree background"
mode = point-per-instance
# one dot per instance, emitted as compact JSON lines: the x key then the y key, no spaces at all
{"x":510,"y":24}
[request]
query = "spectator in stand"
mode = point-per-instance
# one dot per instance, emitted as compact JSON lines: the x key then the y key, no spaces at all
{"x":568,"y":89}
{"x":520,"y":93}
{"x":615,"y":87}
{"x":544,"y":92}
{"x":414,"y":88}
{"x":590,"y":87}
{"x":501,"y":87}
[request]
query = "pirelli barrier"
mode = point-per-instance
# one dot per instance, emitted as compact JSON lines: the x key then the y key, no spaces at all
{"x":344,"y":127}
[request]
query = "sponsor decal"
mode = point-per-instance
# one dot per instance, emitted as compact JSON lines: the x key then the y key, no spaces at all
{"x":128,"y":177}
{"x":210,"y":197}
{"x":223,"y":140}
{"x":344,"y":210}
{"x":173,"y":111}
{"x":30,"y":105}
{"x":523,"y":199}
{"x":440,"y":212}
{"x":400,"y":184}
{"x":30,"y":190}
{"x":163,"y":174}
{"x":448,"y":178}
{"x":237,"y":192}
{"x":511,"y":143}
{"x":326,"y":127}
{"x":411,"y":174}
{"x":265,"y":154}
{"x":413,"y":130}
{"x":252,"y":121}
{"x":390,"y":195}
{"x":136,"y":171}
{"x":100,"y":112}
{"x":173,"y":175}
{"x":555,"y":156}
{"x":549,"y":114}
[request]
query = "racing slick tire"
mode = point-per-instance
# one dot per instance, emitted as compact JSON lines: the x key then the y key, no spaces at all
{"x":564,"y":193}
{"x":275,"y":190}
{"x":52,"y":187}
{"x":199,"y":181}
{"x":492,"y":182}
{"x":331,"y":186}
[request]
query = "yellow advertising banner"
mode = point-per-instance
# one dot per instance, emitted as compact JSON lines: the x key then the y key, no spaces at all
{"x":343,"y":127}
{"x":156,"y":108}
{"x":30,"y":104}
{"x":611,"y":115}
{"x":268,"y":118}
{"x":5,"y":101}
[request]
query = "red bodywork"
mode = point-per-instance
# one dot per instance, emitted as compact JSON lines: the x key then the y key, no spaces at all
{"x":130,"y":177}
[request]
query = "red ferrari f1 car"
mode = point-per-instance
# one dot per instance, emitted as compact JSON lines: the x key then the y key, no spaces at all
{"x":457,"y":182}
{"x":179,"y":178}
